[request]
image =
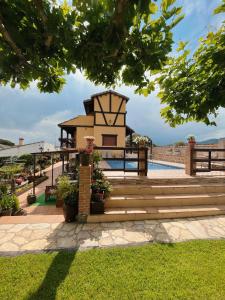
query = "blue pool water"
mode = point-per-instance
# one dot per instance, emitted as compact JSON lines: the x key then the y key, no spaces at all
{"x":118,"y":164}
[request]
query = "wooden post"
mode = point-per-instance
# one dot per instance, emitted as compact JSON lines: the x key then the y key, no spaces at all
{"x":84,"y":193}
{"x":34,"y":166}
{"x":52,"y":159}
{"x":142,"y":162}
{"x":189,"y":164}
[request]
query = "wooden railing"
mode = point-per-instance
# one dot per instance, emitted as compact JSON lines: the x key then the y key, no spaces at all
{"x":141,"y":159}
{"x":212,"y":162}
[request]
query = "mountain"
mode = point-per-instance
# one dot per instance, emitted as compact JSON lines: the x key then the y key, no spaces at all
{"x":209,"y":141}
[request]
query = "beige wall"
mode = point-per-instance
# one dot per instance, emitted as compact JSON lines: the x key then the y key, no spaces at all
{"x":105,"y":104}
{"x":81,"y":133}
{"x":119,"y":131}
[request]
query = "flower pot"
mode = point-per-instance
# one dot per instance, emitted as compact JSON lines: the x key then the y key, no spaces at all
{"x":85,"y":159}
{"x":31,"y":199}
{"x":6,"y":212}
{"x":97,"y":207}
{"x":70,"y":213}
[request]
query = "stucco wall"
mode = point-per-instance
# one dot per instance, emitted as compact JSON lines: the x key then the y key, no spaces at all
{"x":81,"y":132}
{"x":119,"y":131}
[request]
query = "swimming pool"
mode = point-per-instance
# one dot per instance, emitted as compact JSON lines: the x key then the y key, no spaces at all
{"x":118,"y":164}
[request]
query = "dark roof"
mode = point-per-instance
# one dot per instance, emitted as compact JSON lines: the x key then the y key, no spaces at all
{"x":111,"y":92}
{"x":89,"y":106}
{"x":129,"y":130}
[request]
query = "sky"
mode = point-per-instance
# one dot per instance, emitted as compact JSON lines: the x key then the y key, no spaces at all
{"x":34,"y":115}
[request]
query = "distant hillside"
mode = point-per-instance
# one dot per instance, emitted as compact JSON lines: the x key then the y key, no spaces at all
{"x":209,"y":141}
{"x":6,"y":142}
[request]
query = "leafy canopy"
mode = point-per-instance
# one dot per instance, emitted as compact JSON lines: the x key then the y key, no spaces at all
{"x":108,"y":40}
{"x":193,"y":87}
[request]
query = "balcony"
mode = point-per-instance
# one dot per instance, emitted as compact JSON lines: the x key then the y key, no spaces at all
{"x":67,"y":143}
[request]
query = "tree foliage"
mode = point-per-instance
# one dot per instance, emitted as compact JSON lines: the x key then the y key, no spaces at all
{"x":6,"y":142}
{"x":108,"y":40}
{"x":193,"y":87}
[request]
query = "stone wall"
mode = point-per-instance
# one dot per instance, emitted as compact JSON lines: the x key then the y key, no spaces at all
{"x":173,"y":153}
{"x":169,"y":153}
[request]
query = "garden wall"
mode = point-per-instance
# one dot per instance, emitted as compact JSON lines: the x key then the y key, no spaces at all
{"x":173,"y":153}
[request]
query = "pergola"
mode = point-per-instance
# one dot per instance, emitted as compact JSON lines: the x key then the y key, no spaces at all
{"x":64,"y":153}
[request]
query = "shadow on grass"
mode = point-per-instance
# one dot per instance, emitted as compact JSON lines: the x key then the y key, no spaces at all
{"x":55,"y":275}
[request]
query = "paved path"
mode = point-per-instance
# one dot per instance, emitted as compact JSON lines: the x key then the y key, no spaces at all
{"x":41,"y":187}
{"x":20,"y":238}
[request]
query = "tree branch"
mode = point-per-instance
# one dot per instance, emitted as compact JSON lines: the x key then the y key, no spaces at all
{"x":40,"y":10}
{"x":6,"y":35}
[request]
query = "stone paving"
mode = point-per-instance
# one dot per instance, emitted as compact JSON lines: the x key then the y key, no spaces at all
{"x":21,"y":238}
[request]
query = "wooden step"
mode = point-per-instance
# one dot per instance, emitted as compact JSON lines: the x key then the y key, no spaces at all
{"x":164,"y":200}
{"x":167,"y":181}
{"x":144,"y":189}
{"x":134,"y":214}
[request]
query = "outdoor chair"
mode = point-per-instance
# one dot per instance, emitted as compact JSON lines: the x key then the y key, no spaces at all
{"x":49,"y":191}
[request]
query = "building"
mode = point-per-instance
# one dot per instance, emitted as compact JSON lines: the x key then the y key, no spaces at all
{"x":105,"y":119}
{"x":22,"y":148}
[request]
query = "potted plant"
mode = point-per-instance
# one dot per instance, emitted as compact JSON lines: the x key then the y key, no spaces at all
{"x":8,"y":203}
{"x":68,"y":193}
{"x":191,"y":139}
{"x":97,"y":174}
{"x":70,"y":206}
{"x":85,"y":158}
{"x":101,"y":189}
{"x":31,"y":198}
{"x":141,"y":141}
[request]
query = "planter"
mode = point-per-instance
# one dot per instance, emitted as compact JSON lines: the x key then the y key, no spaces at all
{"x":97,"y":207}
{"x":31,"y":199}
{"x":6,"y":212}
{"x":59,"y":202}
{"x":70,"y":213}
{"x":97,"y":197}
{"x":85,"y":159}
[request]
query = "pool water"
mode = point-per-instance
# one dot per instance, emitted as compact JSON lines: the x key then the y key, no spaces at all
{"x":118,"y":164}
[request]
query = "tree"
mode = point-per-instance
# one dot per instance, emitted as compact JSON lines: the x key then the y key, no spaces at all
{"x":109,"y":40}
{"x":10,"y":171}
{"x":6,"y":142}
{"x":193,"y":87}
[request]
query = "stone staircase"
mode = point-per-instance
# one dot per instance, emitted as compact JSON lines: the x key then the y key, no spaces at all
{"x":141,"y":199}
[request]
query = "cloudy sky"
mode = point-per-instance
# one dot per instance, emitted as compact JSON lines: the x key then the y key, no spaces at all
{"x":35,"y":116}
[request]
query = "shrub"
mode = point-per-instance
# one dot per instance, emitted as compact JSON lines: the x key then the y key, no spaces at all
{"x":97,"y":157}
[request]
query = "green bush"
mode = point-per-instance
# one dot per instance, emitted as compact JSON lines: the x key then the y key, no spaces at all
{"x":97,"y":157}
{"x":65,"y":188}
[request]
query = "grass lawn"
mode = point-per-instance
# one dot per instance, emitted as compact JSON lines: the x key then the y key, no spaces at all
{"x":193,"y":270}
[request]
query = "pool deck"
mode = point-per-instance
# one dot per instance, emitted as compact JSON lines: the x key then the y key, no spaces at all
{"x":176,"y":173}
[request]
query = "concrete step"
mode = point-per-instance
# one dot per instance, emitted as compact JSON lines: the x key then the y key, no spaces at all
{"x":134,"y":214}
{"x":164,"y":200}
{"x":135,"y":180}
{"x":144,"y":189}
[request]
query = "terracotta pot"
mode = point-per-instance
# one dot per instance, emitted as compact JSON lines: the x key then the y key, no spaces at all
{"x":31,"y":199}
{"x":70,"y":213}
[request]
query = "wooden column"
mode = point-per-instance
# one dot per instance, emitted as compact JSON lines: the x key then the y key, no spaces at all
{"x":61,"y":138}
{"x":189,"y":164}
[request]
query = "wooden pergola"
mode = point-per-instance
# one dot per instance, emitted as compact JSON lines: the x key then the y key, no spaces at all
{"x":64,"y":153}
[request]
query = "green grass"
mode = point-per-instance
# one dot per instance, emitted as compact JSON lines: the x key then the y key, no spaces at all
{"x":193,"y":270}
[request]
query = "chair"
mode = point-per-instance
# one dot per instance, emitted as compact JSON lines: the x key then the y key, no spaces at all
{"x":49,"y":191}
